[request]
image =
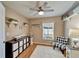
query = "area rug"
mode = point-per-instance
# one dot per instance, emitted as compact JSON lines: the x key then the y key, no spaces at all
{"x":46,"y":52}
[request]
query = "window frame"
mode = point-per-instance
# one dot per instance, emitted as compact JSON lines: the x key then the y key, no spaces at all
{"x":48,"y":32}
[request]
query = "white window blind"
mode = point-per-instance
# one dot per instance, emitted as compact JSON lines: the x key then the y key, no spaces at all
{"x":48,"y":31}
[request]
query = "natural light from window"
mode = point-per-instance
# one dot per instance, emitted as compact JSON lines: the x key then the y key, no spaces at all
{"x":48,"y":31}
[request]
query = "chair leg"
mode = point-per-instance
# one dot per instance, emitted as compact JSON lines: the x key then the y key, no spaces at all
{"x":54,"y":47}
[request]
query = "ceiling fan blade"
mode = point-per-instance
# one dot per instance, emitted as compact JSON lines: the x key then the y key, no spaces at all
{"x":37,"y":4}
{"x":50,"y":10}
{"x":34,"y":13}
{"x":33,"y":9}
{"x":45,"y":5}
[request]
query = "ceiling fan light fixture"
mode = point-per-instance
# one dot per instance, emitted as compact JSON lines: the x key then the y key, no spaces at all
{"x":40,"y":12}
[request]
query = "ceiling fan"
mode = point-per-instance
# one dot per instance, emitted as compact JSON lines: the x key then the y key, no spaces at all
{"x":41,"y":7}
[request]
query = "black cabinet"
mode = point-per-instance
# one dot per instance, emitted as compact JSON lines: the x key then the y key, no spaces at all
{"x":15,"y":47}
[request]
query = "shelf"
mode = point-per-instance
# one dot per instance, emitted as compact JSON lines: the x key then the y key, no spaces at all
{"x":15,"y":47}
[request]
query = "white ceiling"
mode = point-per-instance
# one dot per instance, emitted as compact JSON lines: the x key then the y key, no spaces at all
{"x":22,"y":7}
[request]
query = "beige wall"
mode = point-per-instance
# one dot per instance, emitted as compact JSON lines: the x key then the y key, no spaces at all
{"x":20,"y":29}
{"x":13,"y":31}
{"x":73,"y":23}
{"x":37,"y":31}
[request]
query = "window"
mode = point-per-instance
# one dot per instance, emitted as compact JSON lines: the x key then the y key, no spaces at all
{"x":48,"y":31}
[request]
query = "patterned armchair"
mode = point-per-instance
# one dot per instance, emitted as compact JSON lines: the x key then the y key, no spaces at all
{"x":61,"y":43}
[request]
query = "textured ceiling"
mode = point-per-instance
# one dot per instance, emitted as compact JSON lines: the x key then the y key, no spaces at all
{"x":22,"y":7}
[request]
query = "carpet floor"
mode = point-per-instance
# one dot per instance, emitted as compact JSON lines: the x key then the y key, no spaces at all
{"x":46,"y":52}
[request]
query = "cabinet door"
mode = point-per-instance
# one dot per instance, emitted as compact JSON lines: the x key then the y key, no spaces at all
{"x":15,"y":46}
{"x":21,"y":43}
{"x":20,"y":49}
{"x":24,"y":41}
{"x":27,"y":40}
{"x":25,"y":46}
{"x":15,"y":53}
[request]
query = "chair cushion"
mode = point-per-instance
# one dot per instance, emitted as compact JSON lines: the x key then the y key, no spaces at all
{"x":61,"y":42}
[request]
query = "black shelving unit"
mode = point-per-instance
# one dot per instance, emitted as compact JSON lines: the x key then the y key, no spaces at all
{"x":15,"y":47}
